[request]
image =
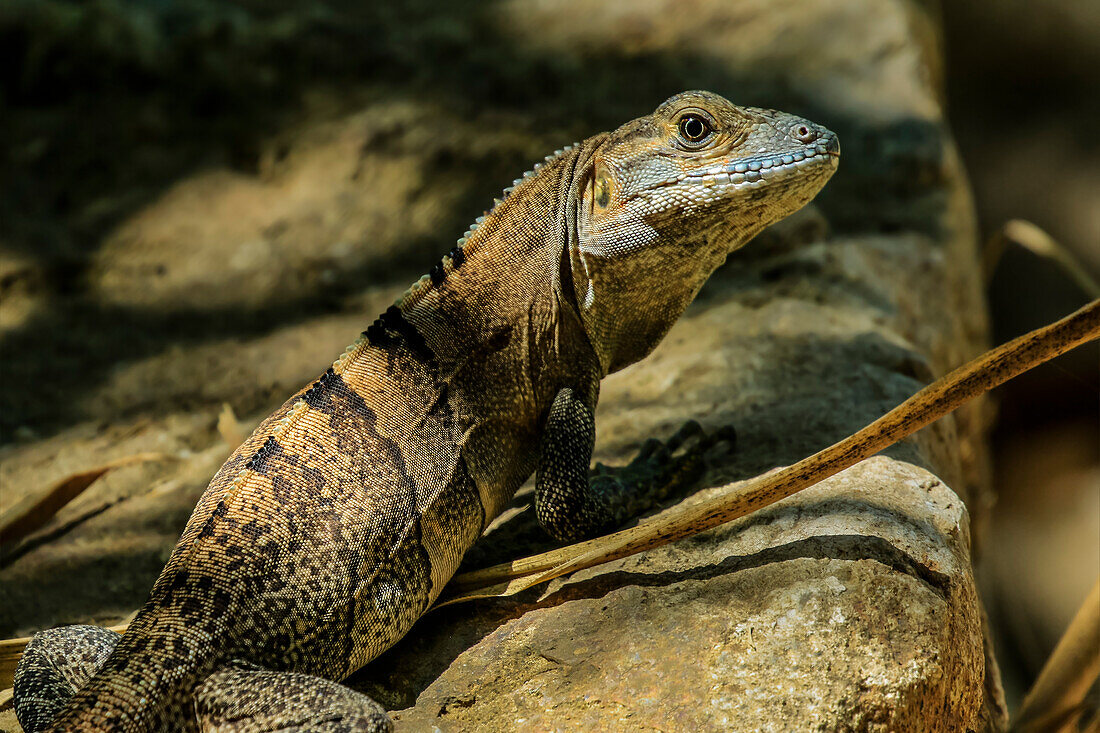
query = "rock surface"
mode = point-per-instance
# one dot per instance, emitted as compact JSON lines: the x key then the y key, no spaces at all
{"x":851,"y":606}
{"x":844,"y":608}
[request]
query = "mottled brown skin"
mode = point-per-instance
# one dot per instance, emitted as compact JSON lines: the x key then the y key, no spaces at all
{"x":337,"y":523}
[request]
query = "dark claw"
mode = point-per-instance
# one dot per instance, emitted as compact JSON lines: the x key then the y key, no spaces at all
{"x":725,"y":434}
{"x":690,"y":429}
{"x":648,"y":448}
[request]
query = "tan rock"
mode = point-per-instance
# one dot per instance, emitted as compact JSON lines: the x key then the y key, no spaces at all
{"x":851,"y":606}
{"x":357,"y":195}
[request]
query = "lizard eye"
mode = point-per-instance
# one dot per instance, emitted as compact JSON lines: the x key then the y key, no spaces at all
{"x":804,"y":133}
{"x":694,"y":129}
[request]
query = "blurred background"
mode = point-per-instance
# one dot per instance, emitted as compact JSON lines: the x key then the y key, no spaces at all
{"x":1022,"y":101}
{"x":123,"y":122}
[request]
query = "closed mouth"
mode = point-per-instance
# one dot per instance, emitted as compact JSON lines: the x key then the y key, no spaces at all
{"x":755,"y":172}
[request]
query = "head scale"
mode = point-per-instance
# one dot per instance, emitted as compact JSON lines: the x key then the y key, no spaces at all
{"x":657,"y":205}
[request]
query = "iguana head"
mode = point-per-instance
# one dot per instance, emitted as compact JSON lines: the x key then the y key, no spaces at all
{"x":657,"y":205}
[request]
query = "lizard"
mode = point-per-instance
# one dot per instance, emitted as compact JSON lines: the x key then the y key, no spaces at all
{"x":335,"y":526}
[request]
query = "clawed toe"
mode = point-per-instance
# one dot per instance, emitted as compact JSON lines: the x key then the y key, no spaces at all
{"x":691,"y":438}
{"x":648,"y":449}
{"x":725,"y":434}
{"x":688,"y":431}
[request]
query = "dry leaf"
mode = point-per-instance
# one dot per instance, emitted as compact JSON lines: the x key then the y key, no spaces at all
{"x":35,"y":509}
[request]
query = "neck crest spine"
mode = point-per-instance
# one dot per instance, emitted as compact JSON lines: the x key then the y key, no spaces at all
{"x":458,"y":254}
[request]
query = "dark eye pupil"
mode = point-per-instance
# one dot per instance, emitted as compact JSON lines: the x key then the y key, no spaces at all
{"x":693,"y":128}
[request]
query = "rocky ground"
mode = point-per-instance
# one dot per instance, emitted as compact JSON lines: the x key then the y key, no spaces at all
{"x":231,"y":266}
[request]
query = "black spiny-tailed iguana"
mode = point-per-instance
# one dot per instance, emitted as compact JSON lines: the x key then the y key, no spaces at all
{"x":338,"y":522}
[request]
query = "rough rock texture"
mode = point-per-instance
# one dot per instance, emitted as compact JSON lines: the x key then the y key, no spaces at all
{"x":849,"y":607}
{"x":844,"y":609}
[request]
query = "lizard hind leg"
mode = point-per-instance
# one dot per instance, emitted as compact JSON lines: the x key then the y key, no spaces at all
{"x":241,"y":698}
{"x":55,"y":665}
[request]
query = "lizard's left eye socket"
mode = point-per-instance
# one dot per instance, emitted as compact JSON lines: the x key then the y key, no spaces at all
{"x":694,"y":129}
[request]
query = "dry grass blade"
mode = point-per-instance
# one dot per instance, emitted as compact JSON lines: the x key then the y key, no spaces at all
{"x":934,"y":401}
{"x":1038,"y":242}
{"x":1055,"y":700}
{"x":37,"y":508}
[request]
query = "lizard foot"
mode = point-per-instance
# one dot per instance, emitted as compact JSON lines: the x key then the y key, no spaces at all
{"x":55,"y":664}
{"x":660,"y":470}
{"x":574,"y":503}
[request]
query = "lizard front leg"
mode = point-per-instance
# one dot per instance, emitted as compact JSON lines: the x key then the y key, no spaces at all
{"x":572,"y":503}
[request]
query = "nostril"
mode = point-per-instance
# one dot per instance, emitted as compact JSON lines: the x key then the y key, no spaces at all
{"x":804,"y":133}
